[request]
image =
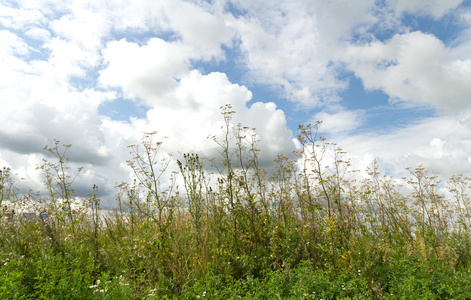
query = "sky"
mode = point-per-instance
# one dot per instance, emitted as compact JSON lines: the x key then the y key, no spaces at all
{"x":389,"y":79}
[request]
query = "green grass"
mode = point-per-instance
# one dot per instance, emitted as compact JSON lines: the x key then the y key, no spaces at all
{"x":310,"y":230}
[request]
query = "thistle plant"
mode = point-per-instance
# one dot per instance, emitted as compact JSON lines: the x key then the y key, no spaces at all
{"x":194,"y":182}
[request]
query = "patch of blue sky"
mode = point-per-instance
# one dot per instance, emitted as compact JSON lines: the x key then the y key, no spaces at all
{"x":295,"y":114}
{"x":11,"y":3}
{"x":139,"y":36}
{"x":121,"y":109}
{"x":356,"y":97}
{"x":118,"y":109}
{"x":446,"y":29}
{"x":237,"y":73}
{"x":37,"y":51}
{"x":86,"y":81}
{"x":380,"y":114}
{"x":234,"y":10}
{"x":231,"y":65}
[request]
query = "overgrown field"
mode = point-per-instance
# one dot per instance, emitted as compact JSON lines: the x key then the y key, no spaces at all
{"x":310,"y":230}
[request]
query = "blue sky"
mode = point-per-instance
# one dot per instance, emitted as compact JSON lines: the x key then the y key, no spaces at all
{"x":389,"y":79}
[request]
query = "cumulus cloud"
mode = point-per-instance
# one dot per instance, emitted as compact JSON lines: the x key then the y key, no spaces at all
{"x":292,"y":45}
{"x":413,"y":67}
{"x":198,"y":27}
{"x":84,"y":28}
{"x":39,"y":34}
{"x":197,"y":114}
{"x":12,"y":45}
{"x":440,"y":144}
{"x":340,"y":122}
{"x":20,"y":18}
{"x":148,"y":71}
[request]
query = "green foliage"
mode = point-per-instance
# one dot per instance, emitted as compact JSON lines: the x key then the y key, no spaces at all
{"x":308,"y":230}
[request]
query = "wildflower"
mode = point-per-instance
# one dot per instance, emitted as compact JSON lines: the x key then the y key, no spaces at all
{"x":95,"y":285}
{"x":151,"y":292}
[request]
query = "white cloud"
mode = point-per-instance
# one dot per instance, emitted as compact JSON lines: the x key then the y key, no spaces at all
{"x":460,"y":47}
{"x":149,"y":71}
{"x":292,"y":45}
{"x":198,"y":27}
{"x":436,"y":8}
{"x":434,"y":150}
{"x":12,"y":45}
{"x":413,"y":67}
{"x":440,"y":144}
{"x":193,"y":111}
{"x":13,"y":51}
{"x":84,"y":27}
{"x":192,"y":23}
{"x":20,"y":18}
{"x":340,"y":122}
{"x":66,"y":59}
{"x":39,"y":34}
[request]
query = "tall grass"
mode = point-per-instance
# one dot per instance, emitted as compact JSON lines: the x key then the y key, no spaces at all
{"x":310,"y":229}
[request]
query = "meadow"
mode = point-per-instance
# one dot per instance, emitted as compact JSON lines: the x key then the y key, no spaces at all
{"x":307,"y":230}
